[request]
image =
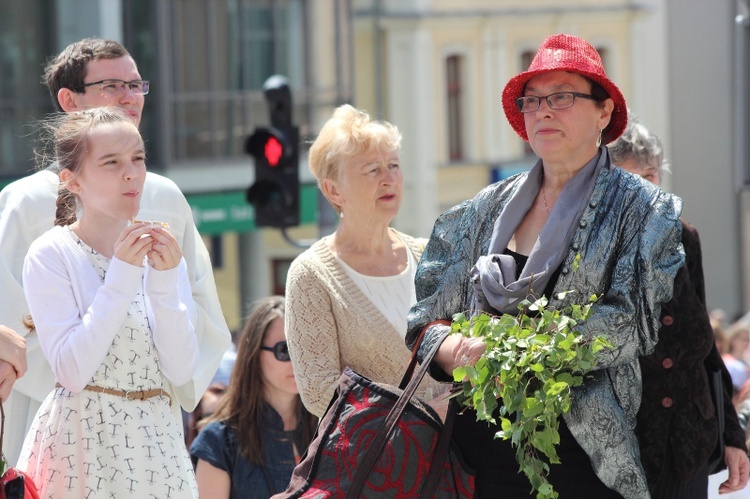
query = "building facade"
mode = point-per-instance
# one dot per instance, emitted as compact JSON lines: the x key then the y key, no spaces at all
{"x":435,"y":68}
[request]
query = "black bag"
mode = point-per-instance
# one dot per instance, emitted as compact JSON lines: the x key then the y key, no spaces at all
{"x":378,"y":441}
{"x":716,"y":461}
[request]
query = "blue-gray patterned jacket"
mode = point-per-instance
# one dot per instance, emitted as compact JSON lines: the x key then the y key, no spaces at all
{"x":629,"y":241}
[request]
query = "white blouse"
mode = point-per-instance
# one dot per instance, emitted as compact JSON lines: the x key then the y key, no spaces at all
{"x":392,"y":295}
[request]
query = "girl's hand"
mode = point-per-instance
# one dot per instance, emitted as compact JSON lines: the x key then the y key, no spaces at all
{"x":165,"y":253}
{"x":131,"y":246}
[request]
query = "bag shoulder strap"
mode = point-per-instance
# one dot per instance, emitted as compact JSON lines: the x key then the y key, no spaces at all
{"x":389,"y":424}
{"x":441,"y":452}
{"x":413,"y":361}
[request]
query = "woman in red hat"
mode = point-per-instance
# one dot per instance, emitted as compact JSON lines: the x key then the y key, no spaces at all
{"x":527,"y":232}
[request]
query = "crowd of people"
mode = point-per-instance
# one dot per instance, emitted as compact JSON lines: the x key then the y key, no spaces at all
{"x":112,"y":331}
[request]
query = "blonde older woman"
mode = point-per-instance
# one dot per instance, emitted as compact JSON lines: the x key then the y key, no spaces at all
{"x":349,"y":294}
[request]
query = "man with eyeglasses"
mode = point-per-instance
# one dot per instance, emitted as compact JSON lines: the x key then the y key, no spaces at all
{"x":93,"y":73}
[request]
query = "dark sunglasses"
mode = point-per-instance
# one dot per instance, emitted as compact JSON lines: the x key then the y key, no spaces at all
{"x":280,"y":351}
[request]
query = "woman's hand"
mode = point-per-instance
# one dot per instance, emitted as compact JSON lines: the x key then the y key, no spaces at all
{"x":13,"y":350}
{"x":165,"y":253}
{"x":12,"y":359}
{"x":739,"y":468}
{"x":8,"y":376}
{"x":459,"y":351}
{"x":132,"y":246}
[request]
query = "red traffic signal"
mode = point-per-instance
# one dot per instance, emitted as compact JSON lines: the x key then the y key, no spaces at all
{"x":270,"y":146}
{"x":273,"y":150}
{"x":275,"y":192}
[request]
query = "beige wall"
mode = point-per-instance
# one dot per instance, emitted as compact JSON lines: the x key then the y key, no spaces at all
{"x":228,"y":281}
{"x":228,"y":277}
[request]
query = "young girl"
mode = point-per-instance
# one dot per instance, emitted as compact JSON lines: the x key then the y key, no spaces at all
{"x":111,"y":304}
{"x":249,"y":446}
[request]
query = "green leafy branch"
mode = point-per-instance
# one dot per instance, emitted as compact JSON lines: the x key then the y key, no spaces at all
{"x":532,"y":361}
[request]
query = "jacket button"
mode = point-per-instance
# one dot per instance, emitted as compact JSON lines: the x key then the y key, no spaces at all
{"x":667,"y":320}
{"x":667,"y":363}
{"x":592,"y":204}
{"x":564,"y":271}
{"x":575,"y":247}
{"x":582,"y":224}
{"x":667,"y":402}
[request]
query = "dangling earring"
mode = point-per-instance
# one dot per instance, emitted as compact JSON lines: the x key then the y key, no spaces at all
{"x":599,"y":138}
{"x":341,"y":214}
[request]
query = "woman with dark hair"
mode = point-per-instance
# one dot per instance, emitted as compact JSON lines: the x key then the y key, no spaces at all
{"x":574,"y":222}
{"x":250,"y":445}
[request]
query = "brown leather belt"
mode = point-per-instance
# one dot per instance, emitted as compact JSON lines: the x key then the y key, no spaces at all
{"x":134,"y":395}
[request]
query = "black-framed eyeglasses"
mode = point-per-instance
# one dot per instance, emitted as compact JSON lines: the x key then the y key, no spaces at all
{"x":557,"y":101}
{"x":280,"y":351}
{"x":114,"y":87}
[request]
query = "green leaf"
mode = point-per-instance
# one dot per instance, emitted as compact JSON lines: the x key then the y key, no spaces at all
{"x":545,"y":490}
{"x":533,"y":407}
{"x":531,"y":361}
{"x":557,"y":388}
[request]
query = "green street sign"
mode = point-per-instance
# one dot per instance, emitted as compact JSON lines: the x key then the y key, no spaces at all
{"x":219,"y":212}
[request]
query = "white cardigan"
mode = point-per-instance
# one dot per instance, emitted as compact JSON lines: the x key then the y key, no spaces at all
{"x":77,"y":316}
{"x":27,"y":210}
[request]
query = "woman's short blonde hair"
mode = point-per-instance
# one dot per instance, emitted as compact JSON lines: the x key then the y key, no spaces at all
{"x":347,"y":134}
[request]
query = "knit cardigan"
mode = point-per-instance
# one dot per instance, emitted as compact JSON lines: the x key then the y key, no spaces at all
{"x":330,"y":324}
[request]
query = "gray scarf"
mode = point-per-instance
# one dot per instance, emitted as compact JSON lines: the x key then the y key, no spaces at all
{"x":496,"y":288}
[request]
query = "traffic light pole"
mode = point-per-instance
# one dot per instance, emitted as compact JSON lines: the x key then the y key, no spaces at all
{"x":297,"y":243}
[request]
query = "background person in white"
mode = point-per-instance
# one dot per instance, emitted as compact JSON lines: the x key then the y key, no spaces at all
{"x":27,"y":210}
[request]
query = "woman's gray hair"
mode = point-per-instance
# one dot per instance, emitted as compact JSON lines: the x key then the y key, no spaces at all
{"x":639,"y":144}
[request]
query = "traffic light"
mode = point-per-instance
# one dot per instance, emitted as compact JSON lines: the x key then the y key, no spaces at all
{"x":275,"y":192}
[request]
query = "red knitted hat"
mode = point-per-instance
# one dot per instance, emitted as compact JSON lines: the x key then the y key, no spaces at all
{"x":566,"y":53}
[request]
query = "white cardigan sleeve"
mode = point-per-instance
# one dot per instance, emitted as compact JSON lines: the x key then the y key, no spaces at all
{"x":172,"y":313}
{"x":162,"y":200}
{"x":75,"y":342}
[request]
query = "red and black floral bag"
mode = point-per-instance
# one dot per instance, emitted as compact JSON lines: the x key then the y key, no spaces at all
{"x":379,"y":441}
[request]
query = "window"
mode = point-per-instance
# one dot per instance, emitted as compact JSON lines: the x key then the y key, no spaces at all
{"x":25,"y":44}
{"x":526,"y":58}
{"x":208,"y":61}
{"x":454,"y":67}
{"x":604,"y":54}
{"x":280,"y":270}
